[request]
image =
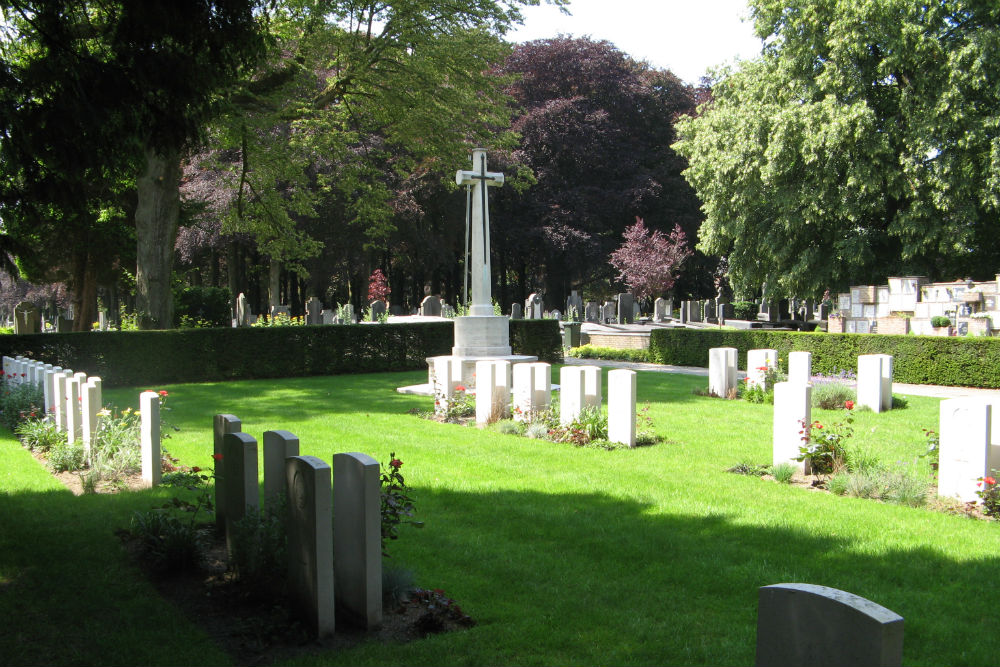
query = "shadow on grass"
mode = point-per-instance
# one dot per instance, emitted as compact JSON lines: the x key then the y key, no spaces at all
{"x":552,"y":579}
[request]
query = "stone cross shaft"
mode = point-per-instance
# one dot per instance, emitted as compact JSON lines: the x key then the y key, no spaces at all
{"x":479,"y":265}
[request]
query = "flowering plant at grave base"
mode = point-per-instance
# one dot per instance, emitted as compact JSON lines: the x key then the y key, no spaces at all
{"x":396,"y":504}
{"x":460,"y":405}
{"x":761,"y":393}
{"x":989,"y":495}
{"x":933,"y":448}
{"x":824,"y":446}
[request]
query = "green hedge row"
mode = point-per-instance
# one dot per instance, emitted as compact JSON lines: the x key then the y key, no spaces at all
{"x":952,"y":361}
{"x":146,"y":358}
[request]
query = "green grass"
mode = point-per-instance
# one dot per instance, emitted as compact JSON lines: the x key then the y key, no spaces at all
{"x":563,"y":555}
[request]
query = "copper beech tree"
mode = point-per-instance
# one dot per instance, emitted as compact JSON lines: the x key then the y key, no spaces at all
{"x":648,"y":262}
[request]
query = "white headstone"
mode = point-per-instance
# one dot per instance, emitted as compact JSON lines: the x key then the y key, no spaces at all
{"x":875,"y":381}
{"x":278,"y":446}
{"x":621,"y":406}
{"x":149,"y":438}
{"x":722,"y":363}
{"x":72,"y":407}
{"x":310,"y":542}
{"x":59,"y":397}
{"x":800,"y":367}
{"x":444,"y":381}
{"x":357,"y":535}
{"x":965,"y":429}
{"x":592,"y":394}
{"x":524,"y":392}
{"x":489,"y":402}
{"x":571,"y":393}
{"x":792,"y":410}
{"x":90,"y":406}
{"x":758,"y":361}
{"x":541,"y":385}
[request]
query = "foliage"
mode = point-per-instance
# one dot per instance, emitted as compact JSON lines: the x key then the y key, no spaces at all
{"x":439,"y":609}
{"x":378,"y":286}
{"x":940,"y":321}
{"x":745,"y":310}
{"x":749,"y":468}
{"x":758,"y":386}
{"x":897,"y":486}
{"x":258,"y":555}
{"x":537,"y":338}
{"x":831,"y":395}
{"x":397,"y":506}
{"x":19,"y":401}
{"x":64,"y":456}
{"x":210,"y":305}
{"x":39,"y":434}
{"x":648,"y":262}
{"x":823,"y":448}
{"x":783,"y":472}
{"x":589,"y":351}
{"x":116,"y":449}
{"x":941,"y":360}
{"x":461,"y":405}
{"x":830,"y":161}
{"x":989,"y":495}
{"x":933,"y":451}
{"x":279,"y":320}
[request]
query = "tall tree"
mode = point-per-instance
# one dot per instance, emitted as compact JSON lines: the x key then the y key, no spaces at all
{"x":863,"y":143}
{"x":648,"y":262}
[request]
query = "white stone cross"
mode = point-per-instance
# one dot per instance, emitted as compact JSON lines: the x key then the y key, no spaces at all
{"x":479,"y":267}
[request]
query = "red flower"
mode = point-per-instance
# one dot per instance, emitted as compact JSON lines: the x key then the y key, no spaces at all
{"x":24,"y":375}
{"x":395,"y":463}
{"x":849,"y":405}
{"x":459,"y":388}
{"x":990,"y":481}
{"x":163,"y":392}
{"x":217,"y":457}
{"x":195,"y":469}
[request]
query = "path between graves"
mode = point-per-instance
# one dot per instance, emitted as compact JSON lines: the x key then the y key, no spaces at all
{"x":897,"y":387}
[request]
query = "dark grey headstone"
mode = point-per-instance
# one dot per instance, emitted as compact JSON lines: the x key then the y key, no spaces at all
{"x":278,"y":446}
{"x":27,"y":318}
{"x":592,"y":312}
{"x":310,"y":542}
{"x":280,"y":310}
{"x":378,"y":309}
{"x":609,"y":312}
{"x":239,"y":465}
{"x":805,"y":624}
{"x":624,"y":307}
{"x":516,"y":311}
{"x":314,"y":311}
{"x":430,"y":306}
{"x":533,"y":307}
{"x":221,"y":424}
{"x":64,"y":324}
{"x":357,"y":543}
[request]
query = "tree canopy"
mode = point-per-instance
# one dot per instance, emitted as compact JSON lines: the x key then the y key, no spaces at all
{"x":863,"y":143}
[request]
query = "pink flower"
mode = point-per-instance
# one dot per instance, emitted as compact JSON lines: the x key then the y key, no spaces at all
{"x":163,"y":392}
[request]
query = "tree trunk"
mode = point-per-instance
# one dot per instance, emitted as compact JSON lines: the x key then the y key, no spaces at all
{"x":84,"y":297}
{"x":274,"y":284}
{"x":158,"y":189}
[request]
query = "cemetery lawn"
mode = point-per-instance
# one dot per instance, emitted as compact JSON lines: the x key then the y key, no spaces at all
{"x":563,"y":555}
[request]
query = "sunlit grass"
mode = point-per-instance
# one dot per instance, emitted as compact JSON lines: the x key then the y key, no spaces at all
{"x":564,"y":555}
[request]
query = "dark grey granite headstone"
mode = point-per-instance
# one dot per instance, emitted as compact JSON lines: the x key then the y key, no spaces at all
{"x":624,"y":306}
{"x":430,"y":306}
{"x":516,"y":311}
{"x":222,"y":424}
{"x":310,"y":542}
{"x":592,"y":312}
{"x":805,"y":624}
{"x":609,"y":312}
{"x":27,"y":319}
{"x":357,"y":543}
{"x":278,"y":446}
{"x":378,"y":309}
{"x":314,"y":311}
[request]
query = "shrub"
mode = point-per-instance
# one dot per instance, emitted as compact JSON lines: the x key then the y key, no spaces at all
{"x":940,"y":321}
{"x":745,"y":310}
{"x":589,"y":351}
{"x":210,"y":305}
{"x":39,"y":435}
{"x":831,"y":395}
{"x":783,"y":472}
{"x":396,"y":505}
{"x":167,"y":542}
{"x":538,"y":338}
{"x":537,"y":430}
{"x":64,"y":457}
{"x":259,"y":547}
{"x":509,"y":427}
{"x":19,"y":402}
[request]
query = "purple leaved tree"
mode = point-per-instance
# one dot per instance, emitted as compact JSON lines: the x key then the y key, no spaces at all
{"x":648,"y":262}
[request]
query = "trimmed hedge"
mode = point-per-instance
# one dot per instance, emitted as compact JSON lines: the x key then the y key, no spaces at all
{"x":145,"y":358}
{"x":613,"y":353}
{"x":951,"y":361}
{"x":539,"y":338}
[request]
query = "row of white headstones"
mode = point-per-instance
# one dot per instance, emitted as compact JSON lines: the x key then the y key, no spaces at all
{"x":524,"y":390}
{"x":969,"y":447}
{"x":73,"y":403}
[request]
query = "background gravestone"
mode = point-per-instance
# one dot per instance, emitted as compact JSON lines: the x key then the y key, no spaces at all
{"x":533,"y":307}
{"x":27,"y":319}
{"x":378,"y":309}
{"x":624,"y":307}
{"x":609,"y":312}
{"x":592,"y":312}
{"x":314,"y":311}
{"x":430,"y":306}
{"x":574,"y":304}
{"x":310,"y":542}
{"x":805,"y":624}
{"x":516,"y":311}
{"x":280,"y":310}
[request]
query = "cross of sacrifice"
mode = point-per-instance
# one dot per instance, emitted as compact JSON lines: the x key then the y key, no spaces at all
{"x":479,"y":223}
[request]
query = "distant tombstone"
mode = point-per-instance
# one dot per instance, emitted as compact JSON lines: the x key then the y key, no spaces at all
{"x":357,"y":548}
{"x":875,"y":381}
{"x":685,"y":312}
{"x":636,"y":312}
{"x":64,"y":324}
{"x":800,"y":367}
{"x":350,"y":318}
{"x":239,"y":462}
{"x":555,"y":314}
{"x":516,"y":311}
{"x":670,"y":307}
{"x":724,"y":311}
{"x":609,"y":312}
{"x":806,"y":624}
{"x":624,"y":307}
{"x":378,"y":309}
{"x":102,"y":320}
{"x":314,"y":313}
{"x":574,"y":304}
{"x":571,"y":393}
{"x":533,"y":307}
{"x":621,"y":406}
{"x":310,"y":542}
{"x":792,"y":409}
{"x":242,"y":311}
{"x":823,"y":312}
{"x":329,"y":316}
{"x":722,"y":362}
{"x":430,"y":306}
{"x":963,"y":328}
{"x":221,"y":425}
{"x":27,"y":319}
{"x":592,"y":312}
{"x":284,"y":311}
{"x":395,"y":310}
{"x":660,"y":313}
{"x":149,"y":438}
{"x":278,"y":446}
